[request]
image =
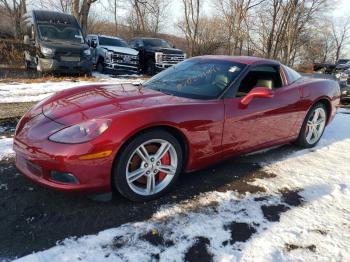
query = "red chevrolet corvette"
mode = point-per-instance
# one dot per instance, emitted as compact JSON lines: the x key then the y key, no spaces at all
{"x":139,"y":138}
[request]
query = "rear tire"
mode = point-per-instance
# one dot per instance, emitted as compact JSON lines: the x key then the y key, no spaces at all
{"x":144,"y":176}
{"x":313,"y":126}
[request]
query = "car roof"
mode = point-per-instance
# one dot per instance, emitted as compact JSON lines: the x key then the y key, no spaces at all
{"x":49,"y":16}
{"x":247,"y":60}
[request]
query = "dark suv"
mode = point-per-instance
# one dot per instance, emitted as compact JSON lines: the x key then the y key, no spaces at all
{"x":156,"y":54}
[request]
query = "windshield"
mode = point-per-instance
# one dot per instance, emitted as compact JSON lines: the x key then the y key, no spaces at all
{"x":197,"y":78}
{"x":112,"y":41}
{"x":60,"y":32}
{"x":156,"y":43}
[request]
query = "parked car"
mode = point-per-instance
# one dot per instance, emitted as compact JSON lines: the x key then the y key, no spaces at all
{"x":55,"y":43}
{"x":327,"y":68}
{"x":113,"y":53}
{"x":137,"y":139}
{"x":344,"y":82}
{"x":342,"y":67}
{"x":156,"y":54}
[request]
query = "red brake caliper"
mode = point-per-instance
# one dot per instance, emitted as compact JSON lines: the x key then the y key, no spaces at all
{"x":165,"y":161}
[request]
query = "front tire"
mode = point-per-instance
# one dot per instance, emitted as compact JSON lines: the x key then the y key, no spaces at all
{"x":313,"y":126}
{"x":150,"y":67}
{"x":100,"y":67}
{"x":148,"y":166}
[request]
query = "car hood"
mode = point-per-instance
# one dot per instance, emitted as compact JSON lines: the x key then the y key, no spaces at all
{"x":119,"y":49}
{"x":83,"y":103}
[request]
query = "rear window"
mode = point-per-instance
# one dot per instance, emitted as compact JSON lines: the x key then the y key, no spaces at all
{"x":291,"y":74}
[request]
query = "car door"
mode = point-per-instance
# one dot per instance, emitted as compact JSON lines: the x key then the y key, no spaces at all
{"x":264,"y":121}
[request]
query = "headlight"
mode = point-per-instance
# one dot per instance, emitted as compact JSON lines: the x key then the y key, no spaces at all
{"x":82,"y":132}
{"x":46,"y":51}
{"x":159,"y":57}
{"x":87,"y":52}
{"x":344,"y":92}
{"x":108,"y":56}
{"x":344,"y":75}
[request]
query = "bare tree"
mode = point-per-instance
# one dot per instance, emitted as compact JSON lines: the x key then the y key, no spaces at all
{"x":147,"y":16}
{"x":190,"y":24}
{"x":80,"y":9}
{"x":235,"y":14}
{"x":341,"y":35}
{"x":113,"y":7}
{"x":15,"y":10}
{"x":284,"y":26}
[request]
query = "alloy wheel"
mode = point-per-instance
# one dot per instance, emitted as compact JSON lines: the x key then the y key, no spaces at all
{"x":315,"y":125}
{"x":151,"y":167}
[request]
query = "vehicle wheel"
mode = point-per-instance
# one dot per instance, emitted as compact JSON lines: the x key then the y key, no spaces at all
{"x":148,"y":166}
{"x":27,"y":65}
{"x":150,"y":67}
{"x":313,"y":126}
{"x":100,"y":67}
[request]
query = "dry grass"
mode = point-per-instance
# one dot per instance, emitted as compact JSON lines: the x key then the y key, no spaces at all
{"x":47,"y":79}
{"x":11,"y":53}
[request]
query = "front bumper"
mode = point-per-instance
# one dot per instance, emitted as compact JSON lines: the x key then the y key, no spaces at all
{"x":162,"y":66}
{"x":38,"y":159}
{"x":345,"y":96}
{"x":122,"y":68}
{"x":51,"y":65}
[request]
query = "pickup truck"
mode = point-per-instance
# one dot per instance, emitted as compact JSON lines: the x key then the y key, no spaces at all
{"x":113,"y":54}
{"x":327,"y":68}
{"x":156,"y":54}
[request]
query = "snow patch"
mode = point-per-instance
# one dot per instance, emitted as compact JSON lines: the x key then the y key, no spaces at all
{"x":16,"y":93}
{"x":6,"y":150}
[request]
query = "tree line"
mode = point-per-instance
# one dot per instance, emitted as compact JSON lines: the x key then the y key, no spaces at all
{"x":291,"y":31}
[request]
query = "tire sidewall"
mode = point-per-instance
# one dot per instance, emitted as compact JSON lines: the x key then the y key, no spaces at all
{"x":302,"y":136}
{"x":150,"y":67}
{"x":119,"y":167}
{"x":100,"y":67}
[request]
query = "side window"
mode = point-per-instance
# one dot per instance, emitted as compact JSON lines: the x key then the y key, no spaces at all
{"x":260,"y":76}
{"x":132,"y":43}
{"x":139,"y":42}
{"x":291,"y":74}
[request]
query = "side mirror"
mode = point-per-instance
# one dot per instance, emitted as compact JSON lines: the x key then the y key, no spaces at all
{"x":257,"y":92}
{"x":26,"y":40}
{"x":93,"y":44}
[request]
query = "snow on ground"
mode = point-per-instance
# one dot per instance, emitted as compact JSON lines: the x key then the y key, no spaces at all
{"x":304,"y":215}
{"x":18,"y":92}
{"x":6,"y":150}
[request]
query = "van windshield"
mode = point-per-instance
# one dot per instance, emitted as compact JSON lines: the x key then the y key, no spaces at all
{"x":65,"y":33}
